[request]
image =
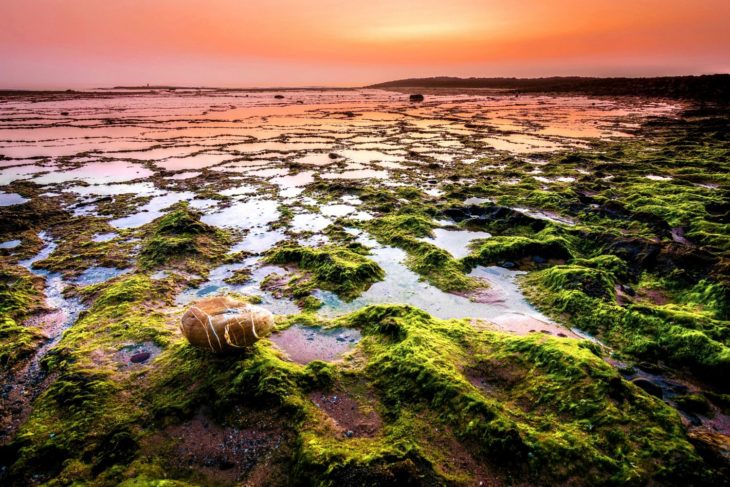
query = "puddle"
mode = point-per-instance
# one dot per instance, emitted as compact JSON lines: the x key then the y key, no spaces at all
{"x":12,"y":199}
{"x":30,"y":380}
{"x":304,"y":344}
{"x":476,"y":201}
{"x":336,"y":210}
{"x":403,"y":286}
{"x":546,"y":215}
{"x":357,"y":174}
{"x":96,"y":275}
{"x":97,"y":173}
{"x":455,"y":242}
{"x":258,"y":242}
{"x":104,"y":237}
{"x":10,"y":244}
{"x":245,"y":214}
{"x":198,"y":161}
{"x":152,"y":210}
{"x":139,"y":189}
{"x":309,"y":222}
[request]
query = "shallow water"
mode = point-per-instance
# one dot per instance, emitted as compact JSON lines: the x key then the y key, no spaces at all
{"x":403,"y":286}
{"x":10,"y":244}
{"x":64,"y":312}
{"x":455,"y":242}
{"x":11,"y":199}
{"x":96,"y":275}
{"x":304,"y":344}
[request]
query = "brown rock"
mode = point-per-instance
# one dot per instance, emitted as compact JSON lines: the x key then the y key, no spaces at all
{"x":224,"y":324}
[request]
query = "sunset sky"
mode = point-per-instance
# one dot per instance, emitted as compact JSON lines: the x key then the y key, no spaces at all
{"x":92,"y":43}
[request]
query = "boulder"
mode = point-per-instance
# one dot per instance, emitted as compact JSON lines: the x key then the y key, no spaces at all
{"x":416,"y":97}
{"x":223,"y":324}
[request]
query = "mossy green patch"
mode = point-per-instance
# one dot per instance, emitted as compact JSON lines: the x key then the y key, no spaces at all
{"x":345,"y":271}
{"x":645,"y":331}
{"x":21,"y":295}
{"x":180,"y":238}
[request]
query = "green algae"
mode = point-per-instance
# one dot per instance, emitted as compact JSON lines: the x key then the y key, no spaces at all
{"x":498,"y":250}
{"x":345,"y":271}
{"x":180,"y":238}
{"x":648,"y":332}
{"x":20,"y":297}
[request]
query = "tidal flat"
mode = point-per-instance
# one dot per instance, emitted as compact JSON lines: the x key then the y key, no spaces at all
{"x":475,"y":289}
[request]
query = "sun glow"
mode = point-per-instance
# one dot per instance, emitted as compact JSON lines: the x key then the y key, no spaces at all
{"x":233,"y":43}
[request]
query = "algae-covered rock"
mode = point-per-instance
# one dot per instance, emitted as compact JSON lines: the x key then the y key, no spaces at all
{"x":224,"y":324}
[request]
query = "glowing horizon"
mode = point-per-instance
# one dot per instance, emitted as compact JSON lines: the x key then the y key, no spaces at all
{"x":229,"y":43}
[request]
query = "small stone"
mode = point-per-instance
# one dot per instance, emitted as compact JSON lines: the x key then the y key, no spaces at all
{"x":140,"y":357}
{"x":416,"y":97}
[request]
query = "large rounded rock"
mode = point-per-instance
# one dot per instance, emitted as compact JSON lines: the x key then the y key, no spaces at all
{"x":224,"y":324}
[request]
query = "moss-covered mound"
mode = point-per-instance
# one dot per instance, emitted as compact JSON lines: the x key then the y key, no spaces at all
{"x":345,"y":271}
{"x":520,"y":250}
{"x":179,"y":237}
{"x":682,"y":336}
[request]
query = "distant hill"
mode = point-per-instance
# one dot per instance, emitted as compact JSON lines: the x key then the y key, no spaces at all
{"x":715,"y":87}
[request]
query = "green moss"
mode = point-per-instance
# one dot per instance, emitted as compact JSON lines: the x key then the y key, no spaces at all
{"x":497,"y":250}
{"x":180,"y":237}
{"x":549,"y":405}
{"x":20,"y":296}
{"x":16,"y":341}
{"x":647,"y":332}
{"x":592,"y":282}
{"x":346,"y":272}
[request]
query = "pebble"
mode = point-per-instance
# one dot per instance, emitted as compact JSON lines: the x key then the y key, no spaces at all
{"x":140,"y":357}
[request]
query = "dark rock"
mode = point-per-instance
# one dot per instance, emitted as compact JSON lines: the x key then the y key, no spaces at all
{"x":628,"y":290}
{"x":140,"y":357}
{"x":332,"y":155}
{"x":278,"y":97}
{"x":416,"y":97}
{"x":648,"y":386}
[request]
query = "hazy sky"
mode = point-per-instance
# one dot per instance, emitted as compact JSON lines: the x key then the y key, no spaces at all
{"x":90,"y":43}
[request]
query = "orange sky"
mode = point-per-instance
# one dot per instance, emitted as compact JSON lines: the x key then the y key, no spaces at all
{"x":85,"y":43}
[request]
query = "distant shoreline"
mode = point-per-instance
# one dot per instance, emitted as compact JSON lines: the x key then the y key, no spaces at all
{"x":710,"y":88}
{"x":714,"y":87}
